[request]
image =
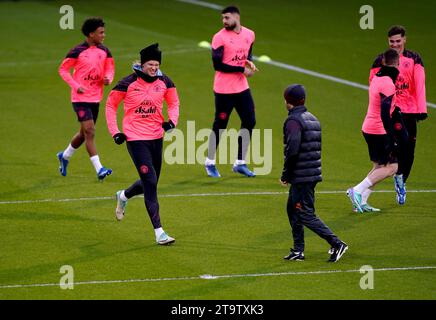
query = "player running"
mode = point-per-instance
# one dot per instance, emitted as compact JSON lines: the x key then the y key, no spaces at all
{"x":143,"y":93}
{"x":93,"y":67}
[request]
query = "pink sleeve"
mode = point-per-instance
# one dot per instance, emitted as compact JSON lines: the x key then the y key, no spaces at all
{"x":217,"y":41}
{"x":388,"y":88}
{"x":64,"y":71}
{"x":419,"y":78}
{"x":172,"y":100}
{"x":109,"y":69}
{"x":372,"y":73}
{"x":112,"y":103}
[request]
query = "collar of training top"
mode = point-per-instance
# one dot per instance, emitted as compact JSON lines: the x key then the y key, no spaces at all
{"x":138,"y":70}
{"x":391,"y":72}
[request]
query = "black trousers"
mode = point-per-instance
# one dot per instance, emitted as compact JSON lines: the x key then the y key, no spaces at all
{"x":147,"y":157}
{"x":224,"y":104}
{"x":301,"y":213}
{"x":406,"y":147}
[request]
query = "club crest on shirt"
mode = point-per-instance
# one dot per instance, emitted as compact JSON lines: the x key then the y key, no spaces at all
{"x":158,"y":88}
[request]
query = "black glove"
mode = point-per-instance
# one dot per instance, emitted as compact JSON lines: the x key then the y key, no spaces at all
{"x":119,"y":138}
{"x":168,"y":125}
{"x":421,"y":116}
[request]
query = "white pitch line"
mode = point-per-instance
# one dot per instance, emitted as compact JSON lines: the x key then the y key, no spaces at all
{"x":323,"y":76}
{"x":203,"y":4}
{"x":315,"y":74}
{"x":193,"y":195}
{"x":214,"y":277}
{"x":291,"y":67}
{"x":122,"y":56}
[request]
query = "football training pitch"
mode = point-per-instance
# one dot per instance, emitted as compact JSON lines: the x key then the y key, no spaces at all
{"x":231,"y":233}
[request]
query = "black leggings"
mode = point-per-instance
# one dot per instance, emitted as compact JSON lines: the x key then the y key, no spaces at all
{"x":406,"y":148}
{"x":224,"y":104}
{"x":147,"y":157}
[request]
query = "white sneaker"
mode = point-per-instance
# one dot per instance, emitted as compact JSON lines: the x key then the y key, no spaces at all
{"x":121,"y":207}
{"x":165,"y":239}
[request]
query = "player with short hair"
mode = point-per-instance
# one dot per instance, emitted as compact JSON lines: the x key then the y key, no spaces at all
{"x":378,"y":132}
{"x":144,"y":92}
{"x":93,"y":67}
{"x":232,"y":60}
{"x":411,"y":100}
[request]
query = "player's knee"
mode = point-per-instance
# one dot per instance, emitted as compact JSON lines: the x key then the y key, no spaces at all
{"x":393,"y":168}
{"x":89,"y":132}
{"x":249,"y":124}
{"x":219,"y":124}
{"x":148,"y":177}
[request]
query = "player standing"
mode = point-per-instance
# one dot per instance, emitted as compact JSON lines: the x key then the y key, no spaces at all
{"x":410,"y":98}
{"x":232,"y":60}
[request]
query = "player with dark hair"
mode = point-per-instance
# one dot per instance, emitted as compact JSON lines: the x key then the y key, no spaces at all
{"x":411,"y":100}
{"x":143,"y":93}
{"x":378,"y":131}
{"x":91,"y":24}
{"x":232,"y":60}
{"x":302,"y":169}
{"x":93,"y":67}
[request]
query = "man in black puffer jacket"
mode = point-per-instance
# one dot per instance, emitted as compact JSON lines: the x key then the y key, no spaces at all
{"x":302,"y":169}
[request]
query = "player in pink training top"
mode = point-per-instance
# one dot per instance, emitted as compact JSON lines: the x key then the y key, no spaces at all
{"x":378,"y":130}
{"x":93,"y":68}
{"x":143,"y":93}
{"x":410,"y":98}
{"x":232,"y":60}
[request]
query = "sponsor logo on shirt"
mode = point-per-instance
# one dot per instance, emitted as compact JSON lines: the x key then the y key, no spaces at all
{"x":92,"y":76}
{"x":240,"y":56}
{"x":401,"y":85}
{"x":146,"y":108}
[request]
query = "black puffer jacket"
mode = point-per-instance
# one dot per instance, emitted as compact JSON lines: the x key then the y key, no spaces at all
{"x":305,"y":165}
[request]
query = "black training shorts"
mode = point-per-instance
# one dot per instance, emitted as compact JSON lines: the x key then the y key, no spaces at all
{"x":86,"y":110}
{"x":380,"y":148}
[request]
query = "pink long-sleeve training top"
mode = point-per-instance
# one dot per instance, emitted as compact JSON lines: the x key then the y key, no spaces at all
{"x":91,"y":64}
{"x":410,"y":83}
{"x":373,"y":123}
{"x":143,"y":106}
{"x":236,"y":51}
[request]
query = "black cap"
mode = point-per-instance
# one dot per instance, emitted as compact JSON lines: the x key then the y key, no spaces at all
{"x":151,"y":52}
{"x":295,"y":94}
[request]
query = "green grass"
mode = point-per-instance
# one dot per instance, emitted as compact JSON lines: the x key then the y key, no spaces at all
{"x":217,"y":235}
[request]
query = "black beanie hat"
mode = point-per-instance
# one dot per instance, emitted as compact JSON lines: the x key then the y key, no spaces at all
{"x":151,"y":52}
{"x":295,"y":94}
